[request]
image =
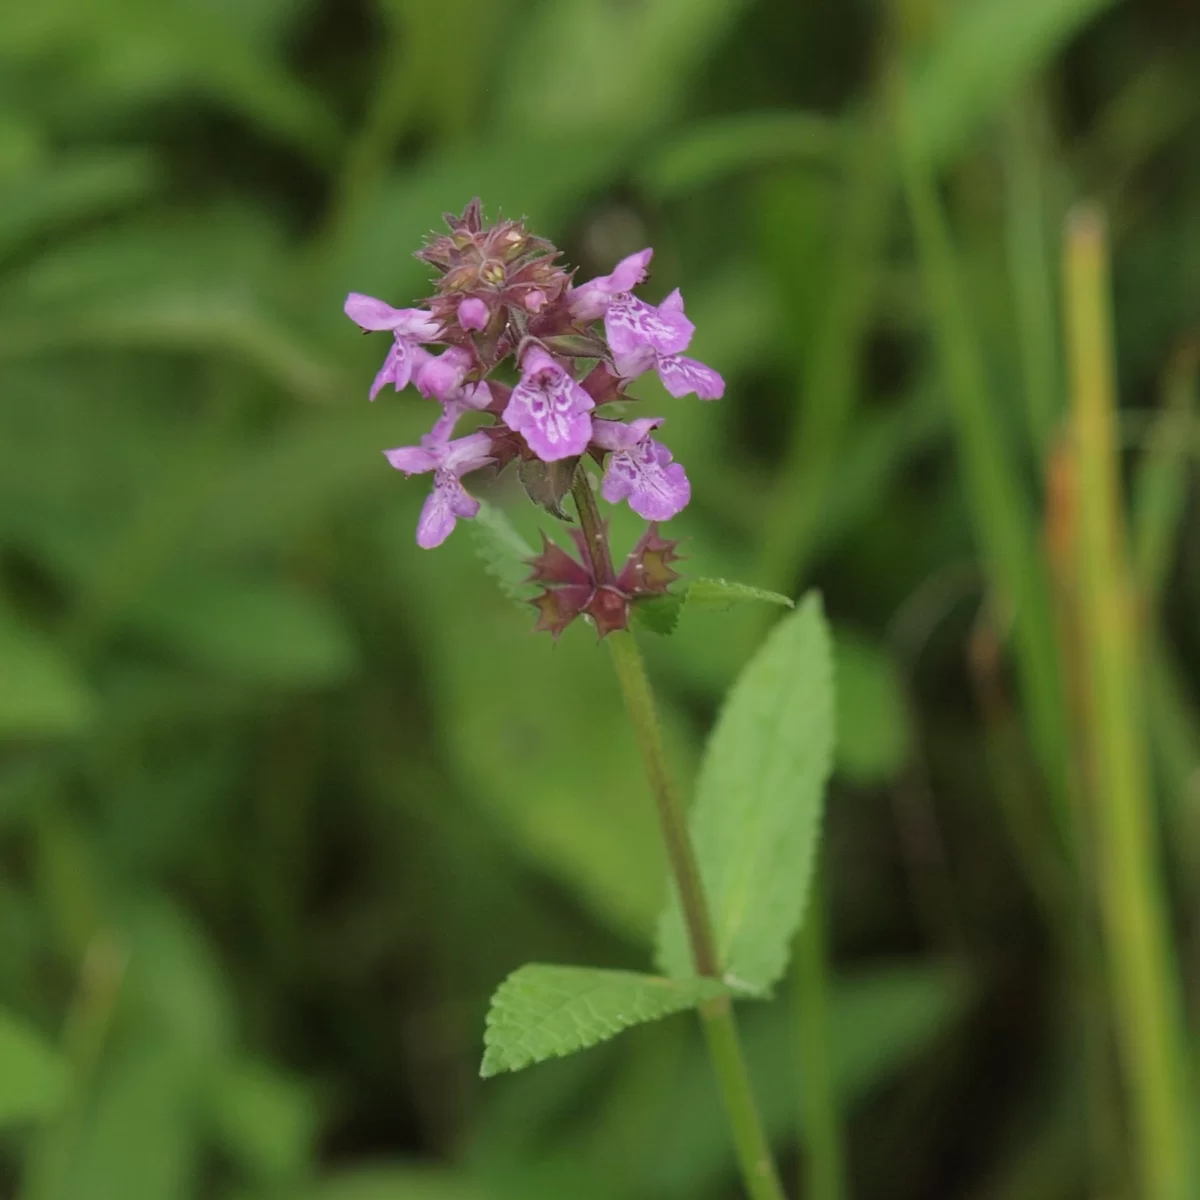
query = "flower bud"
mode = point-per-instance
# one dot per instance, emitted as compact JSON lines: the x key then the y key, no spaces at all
{"x":473,"y":313}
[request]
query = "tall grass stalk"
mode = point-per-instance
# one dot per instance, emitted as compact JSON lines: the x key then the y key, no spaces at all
{"x":1143,"y":974}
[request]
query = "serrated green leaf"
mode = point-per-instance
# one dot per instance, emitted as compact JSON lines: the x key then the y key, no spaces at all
{"x":542,"y":1012}
{"x":660,"y":614}
{"x":756,"y":817}
{"x":722,"y":594}
{"x":504,"y":551}
{"x":33,"y":1076}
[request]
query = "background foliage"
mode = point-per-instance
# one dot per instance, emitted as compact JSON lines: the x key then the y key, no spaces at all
{"x":282,"y":796}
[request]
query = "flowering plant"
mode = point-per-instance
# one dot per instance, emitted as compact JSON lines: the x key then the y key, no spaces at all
{"x":501,"y":299}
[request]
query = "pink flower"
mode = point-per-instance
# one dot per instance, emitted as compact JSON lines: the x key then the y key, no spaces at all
{"x":549,"y":409}
{"x":641,"y":336}
{"x":448,"y":501}
{"x":591,"y":300}
{"x":410,"y":328}
{"x":640,"y":469}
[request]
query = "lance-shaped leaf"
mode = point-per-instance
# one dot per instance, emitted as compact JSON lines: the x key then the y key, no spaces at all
{"x":660,"y":614}
{"x":542,"y":1012}
{"x":756,"y":818}
{"x":547,"y":484}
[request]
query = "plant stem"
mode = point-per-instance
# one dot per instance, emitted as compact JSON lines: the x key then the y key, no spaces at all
{"x":1030,"y":274}
{"x":822,"y":1172}
{"x":1144,"y":977}
{"x":999,"y":507}
{"x":720,"y":1026}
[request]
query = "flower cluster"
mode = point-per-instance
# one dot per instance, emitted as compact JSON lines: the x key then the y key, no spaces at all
{"x":501,"y":297}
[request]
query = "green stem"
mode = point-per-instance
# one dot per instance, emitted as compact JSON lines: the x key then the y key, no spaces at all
{"x":1144,"y":979}
{"x":823,"y":1171}
{"x":720,"y":1025}
{"x":1030,"y":274}
{"x":749,"y":1137}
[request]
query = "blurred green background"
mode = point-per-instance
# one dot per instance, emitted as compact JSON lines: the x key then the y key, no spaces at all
{"x":283,"y":797}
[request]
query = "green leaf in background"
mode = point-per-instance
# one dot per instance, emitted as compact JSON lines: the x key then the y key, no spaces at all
{"x":260,"y":630}
{"x":756,"y":817}
{"x":873,"y":735}
{"x":393,"y":1183}
{"x":78,"y":186}
{"x":879,"y":1022}
{"x":41,"y":694}
{"x":264,"y":1119}
{"x":33,"y":1075}
{"x":136,"y":1136}
{"x":505,"y":553}
{"x":710,"y":151}
{"x":623,"y":65}
{"x":542,"y":1012}
{"x":987,"y":50}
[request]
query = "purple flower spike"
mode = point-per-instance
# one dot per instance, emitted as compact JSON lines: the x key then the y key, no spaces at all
{"x":642,"y":470}
{"x":473,"y":313}
{"x":449,"y":500}
{"x":549,"y":409}
{"x":592,"y":299}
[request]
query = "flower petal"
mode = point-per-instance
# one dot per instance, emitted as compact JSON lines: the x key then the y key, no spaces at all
{"x":443,"y":506}
{"x":591,"y":299}
{"x":468,"y":453}
{"x":368,"y":313}
{"x":412,"y":460}
{"x":372,"y":314}
{"x":549,"y":409}
{"x":630,"y":324}
{"x":442,"y":375}
{"x":656,"y":487}
{"x":622,"y":435}
{"x":681,"y":375}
